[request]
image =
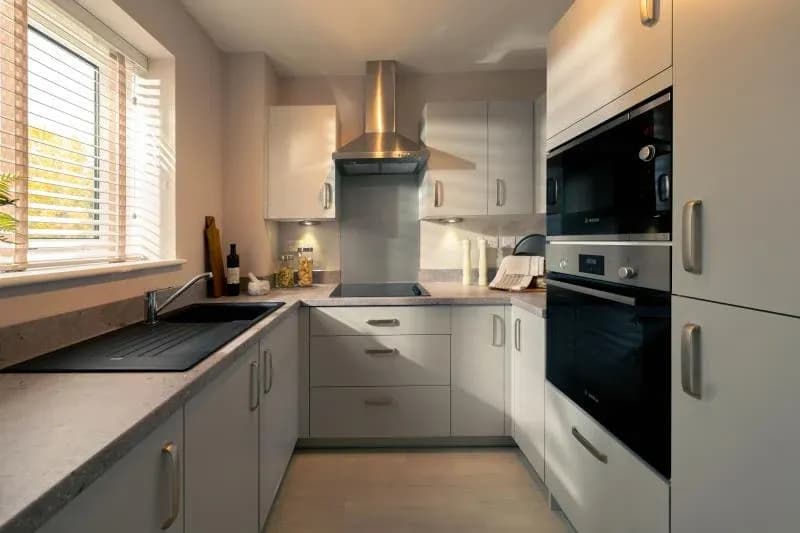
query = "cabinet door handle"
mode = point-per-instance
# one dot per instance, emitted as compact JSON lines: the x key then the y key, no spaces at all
{"x":691,"y":247}
{"x":378,"y":402}
{"x":518,"y":334}
{"x":648,"y":12}
{"x":500,"y":194}
{"x":438,"y":193}
{"x":603,"y":458}
{"x":170,"y":450}
{"x":267,"y":377}
{"x":254,"y":386}
{"x":381,"y":351}
{"x":327,"y":195}
{"x":498,"y":325}
{"x":384,"y":322}
{"x":690,"y":360}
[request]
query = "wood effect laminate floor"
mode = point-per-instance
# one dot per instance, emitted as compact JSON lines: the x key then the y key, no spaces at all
{"x":403,"y":491}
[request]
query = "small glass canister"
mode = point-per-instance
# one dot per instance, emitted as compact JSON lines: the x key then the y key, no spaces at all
{"x":284,"y":279}
{"x":305,"y":266}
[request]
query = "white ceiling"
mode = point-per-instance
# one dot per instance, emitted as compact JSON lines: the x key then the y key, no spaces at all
{"x":308,"y":37}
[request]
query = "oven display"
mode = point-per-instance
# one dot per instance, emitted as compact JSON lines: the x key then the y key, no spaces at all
{"x":591,"y":264}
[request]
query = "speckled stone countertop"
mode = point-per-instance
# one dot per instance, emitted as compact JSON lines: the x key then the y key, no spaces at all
{"x":59,"y":432}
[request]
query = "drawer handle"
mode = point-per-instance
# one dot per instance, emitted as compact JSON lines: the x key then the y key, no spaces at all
{"x":603,"y":458}
{"x":378,"y":402}
{"x":381,"y":351}
{"x":170,"y":450}
{"x":384,"y":322}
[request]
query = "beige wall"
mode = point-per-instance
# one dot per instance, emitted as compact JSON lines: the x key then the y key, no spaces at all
{"x":250,"y":88}
{"x":440,"y":245}
{"x":198,"y":153}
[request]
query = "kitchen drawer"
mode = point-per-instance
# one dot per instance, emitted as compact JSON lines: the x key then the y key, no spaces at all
{"x":352,"y":412}
{"x":622,"y":494}
{"x":380,"y":320}
{"x":380,"y":361}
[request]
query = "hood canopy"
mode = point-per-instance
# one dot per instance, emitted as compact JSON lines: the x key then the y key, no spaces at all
{"x":380,"y":150}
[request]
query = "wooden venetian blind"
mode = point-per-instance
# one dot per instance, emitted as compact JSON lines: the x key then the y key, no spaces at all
{"x":69,"y":118}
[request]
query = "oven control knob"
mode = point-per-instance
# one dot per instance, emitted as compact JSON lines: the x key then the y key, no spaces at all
{"x":627,"y":272}
{"x":562,"y":264}
{"x":647,"y":153}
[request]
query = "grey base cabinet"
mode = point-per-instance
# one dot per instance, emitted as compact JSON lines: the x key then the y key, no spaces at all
{"x":142,"y":493}
{"x":222,"y":452}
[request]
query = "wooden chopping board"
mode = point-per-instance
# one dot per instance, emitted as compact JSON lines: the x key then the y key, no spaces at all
{"x":216,"y":286}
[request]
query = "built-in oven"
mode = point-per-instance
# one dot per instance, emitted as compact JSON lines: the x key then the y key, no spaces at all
{"x":608,"y":339}
{"x":615,"y":181}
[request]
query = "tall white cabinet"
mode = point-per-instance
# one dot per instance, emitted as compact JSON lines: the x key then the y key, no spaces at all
{"x":734,"y":418}
{"x":301,"y":178}
{"x":481,"y":159}
{"x":737,"y":74}
{"x":735,"y":437}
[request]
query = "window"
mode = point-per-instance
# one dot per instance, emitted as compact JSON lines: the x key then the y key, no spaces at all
{"x":79,"y":143}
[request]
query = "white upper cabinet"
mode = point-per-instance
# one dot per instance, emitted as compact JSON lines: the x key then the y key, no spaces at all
{"x":510,"y":158}
{"x":735,"y":437}
{"x":601,"y":49}
{"x":301,"y":176}
{"x":737,"y":73}
{"x":454,"y":183}
{"x":481,"y":159}
{"x":478,"y":371}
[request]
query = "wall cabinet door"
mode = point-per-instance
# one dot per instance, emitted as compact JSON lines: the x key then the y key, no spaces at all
{"x":454,"y":183}
{"x":540,"y":155}
{"x":510,"y":158}
{"x":528,"y":377}
{"x":478,"y":371}
{"x":301,"y":178}
{"x":142,"y":493}
{"x":222,"y":451}
{"x":279,"y":407}
{"x":601,"y":49}
{"x":734,"y":448}
{"x":736,"y":115}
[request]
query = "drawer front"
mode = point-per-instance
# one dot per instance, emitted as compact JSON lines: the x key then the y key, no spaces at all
{"x":380,"y":320}
{"x":619,"y":493}
{"x":380,"y":361}
{"x":380,"y":412}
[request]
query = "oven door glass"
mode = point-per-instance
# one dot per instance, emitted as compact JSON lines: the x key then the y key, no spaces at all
{"x":608,"y":349}
{"x":616,"y":182}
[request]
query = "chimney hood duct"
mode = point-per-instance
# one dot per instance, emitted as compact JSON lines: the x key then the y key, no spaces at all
{"x":380,"y":150}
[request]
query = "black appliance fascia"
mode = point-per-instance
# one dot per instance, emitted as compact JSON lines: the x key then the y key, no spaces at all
{"x":614,"y":182}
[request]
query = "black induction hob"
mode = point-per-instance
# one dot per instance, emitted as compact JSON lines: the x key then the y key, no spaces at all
{"x":378,"y":290}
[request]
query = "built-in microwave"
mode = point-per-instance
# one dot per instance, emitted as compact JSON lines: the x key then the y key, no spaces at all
{"x":615,"y":181}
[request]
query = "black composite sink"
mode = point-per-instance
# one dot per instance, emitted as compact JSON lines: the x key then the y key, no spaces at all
{"x":177,"y":342}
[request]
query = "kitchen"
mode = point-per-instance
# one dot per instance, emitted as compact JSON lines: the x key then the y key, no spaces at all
{"x":622,"y":166}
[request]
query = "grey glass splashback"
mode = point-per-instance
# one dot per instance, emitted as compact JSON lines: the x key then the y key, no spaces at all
{"x":379,"y":228}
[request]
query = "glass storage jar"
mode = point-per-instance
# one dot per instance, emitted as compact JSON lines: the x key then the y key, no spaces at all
{"x":305,"y":266}
{"x":284,"y":278}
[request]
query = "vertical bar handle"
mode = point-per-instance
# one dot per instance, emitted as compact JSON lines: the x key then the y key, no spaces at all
{"x":170,"y":450}
{"x":518,"y":334}
{"x":498,"y":325}
{"x":648,"y":12}
{"x":254,"y":386}
{"x":500,"y":196}
{"x":690,"y":361}
{"x":692,"y":237}
{"x":267,"y":367}
{"x":328,"y":195}
{"x":438,"y":193}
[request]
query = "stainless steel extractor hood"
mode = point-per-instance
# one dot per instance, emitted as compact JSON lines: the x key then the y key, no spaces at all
{"x":380,"y":150}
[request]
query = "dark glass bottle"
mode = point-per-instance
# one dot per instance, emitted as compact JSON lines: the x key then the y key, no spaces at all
{"x":232,"y":272}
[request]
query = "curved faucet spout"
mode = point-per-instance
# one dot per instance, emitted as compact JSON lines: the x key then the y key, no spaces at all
{"x":151,"y":307}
